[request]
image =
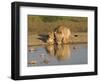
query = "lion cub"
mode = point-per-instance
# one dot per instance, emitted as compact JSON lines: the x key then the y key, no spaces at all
{"x":51,"y":38}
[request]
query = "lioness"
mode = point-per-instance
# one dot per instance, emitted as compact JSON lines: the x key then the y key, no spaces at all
{"x":62,"y":35}
{"x":59,"y":36}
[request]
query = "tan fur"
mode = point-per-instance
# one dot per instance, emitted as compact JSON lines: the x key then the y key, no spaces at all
{"x":60,"y":36}
{"x":50,"y":39}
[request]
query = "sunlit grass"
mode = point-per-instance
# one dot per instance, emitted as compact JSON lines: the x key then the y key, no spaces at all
{"x":45,"y":24}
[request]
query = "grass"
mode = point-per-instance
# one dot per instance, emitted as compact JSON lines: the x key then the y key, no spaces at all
{"x":41,"y":25}
{"x":45,"y":24}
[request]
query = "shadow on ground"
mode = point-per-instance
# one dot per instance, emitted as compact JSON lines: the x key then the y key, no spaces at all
{"x":43,"y":37}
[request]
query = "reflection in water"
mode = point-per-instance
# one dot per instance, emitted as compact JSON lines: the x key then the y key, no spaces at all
{"x":57,"y":55}
{"x":61,"y":52}
{"x":50,"y":49}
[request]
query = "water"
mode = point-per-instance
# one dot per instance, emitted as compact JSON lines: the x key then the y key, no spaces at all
{"x":72,"y":54}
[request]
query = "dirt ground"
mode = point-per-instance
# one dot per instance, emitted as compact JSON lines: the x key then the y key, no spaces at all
{"x":78,"y":37}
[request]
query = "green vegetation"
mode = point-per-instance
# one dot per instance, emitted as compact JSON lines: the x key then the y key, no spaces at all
{"x":45,"y":24}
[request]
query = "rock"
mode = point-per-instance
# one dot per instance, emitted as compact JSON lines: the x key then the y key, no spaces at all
{"x":76,"y":35}
{"x":74,"y":47}
{"x":46,"y":61}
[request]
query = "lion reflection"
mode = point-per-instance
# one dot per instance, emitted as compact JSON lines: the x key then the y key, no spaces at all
{"x":61,"y":52}
{"x":50,"y":49}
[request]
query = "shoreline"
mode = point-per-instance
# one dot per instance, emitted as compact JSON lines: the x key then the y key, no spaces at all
{"x":76,"y":38}
{"x":60,"y":44}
